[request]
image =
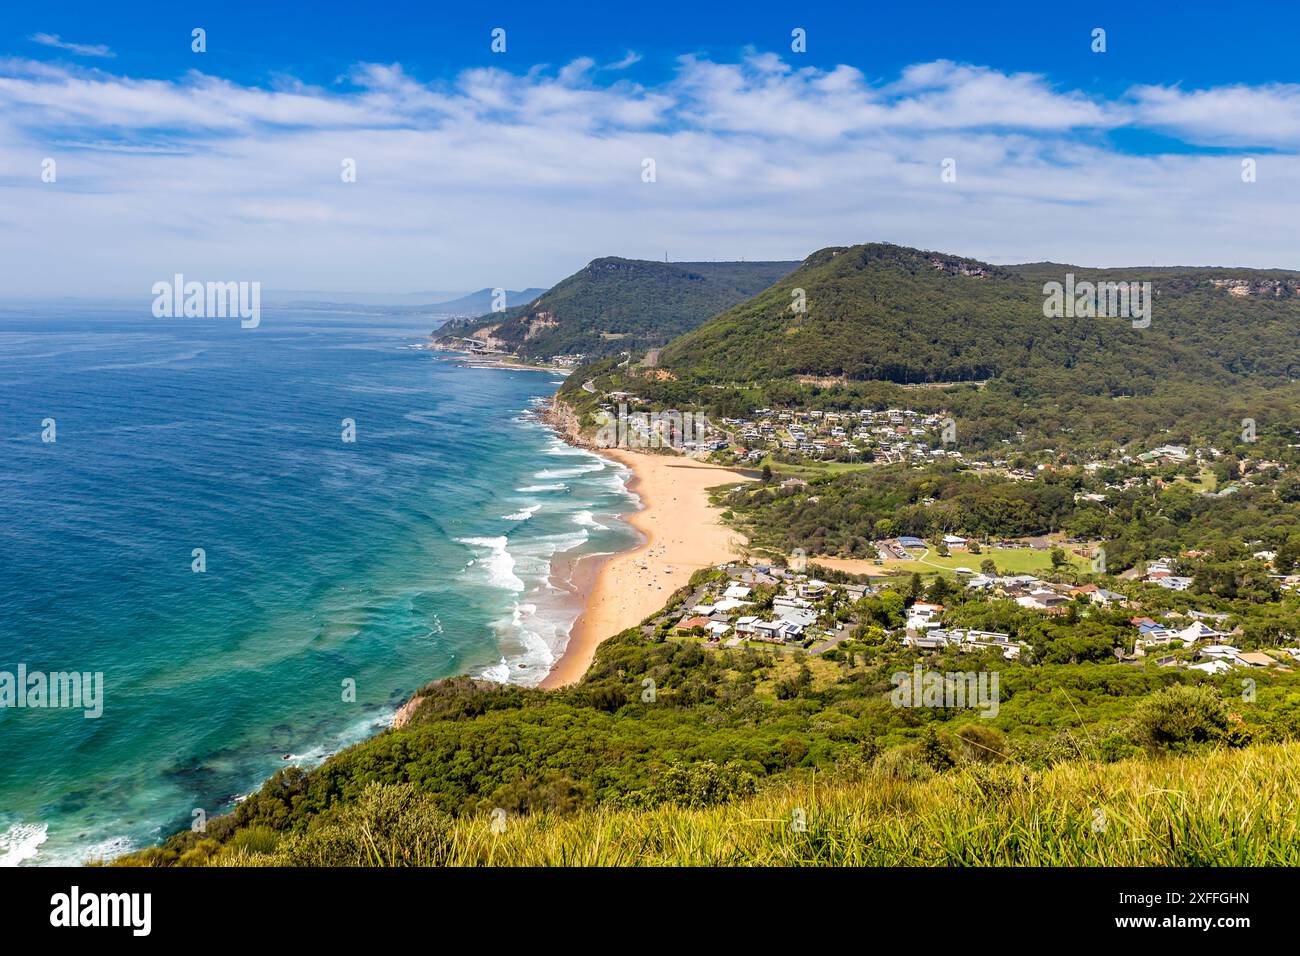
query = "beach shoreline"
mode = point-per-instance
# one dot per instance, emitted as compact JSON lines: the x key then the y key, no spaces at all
{"x":467,"y":359}
{"x":680,"y":534}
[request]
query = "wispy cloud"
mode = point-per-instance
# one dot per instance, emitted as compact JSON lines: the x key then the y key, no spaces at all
{"x":496,"y":178}
{"x":631,"y":58}
{"x":1267,"y":115}
{"x":80,"y":49}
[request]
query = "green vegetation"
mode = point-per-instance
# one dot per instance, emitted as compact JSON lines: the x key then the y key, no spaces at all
{"x":887,"y":327}
{"x":841,"y":515}
{"x":883,"y":312}
{"x":1224,"y":808}
{"x":658,"y":728}
{"x":1005,"y":560}
{"x":671,"y":750}
{"x":852,"y":509}
{"x":615,"y":305}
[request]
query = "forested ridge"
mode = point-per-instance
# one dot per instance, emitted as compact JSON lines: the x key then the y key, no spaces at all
{"x":616,"y":304}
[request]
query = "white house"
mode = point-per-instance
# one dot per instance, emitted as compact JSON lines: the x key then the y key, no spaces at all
{"x":922,"y":616}
{"x":1198,"y":631}
{"x":1042,"y":600}
{"x":726,"y":605}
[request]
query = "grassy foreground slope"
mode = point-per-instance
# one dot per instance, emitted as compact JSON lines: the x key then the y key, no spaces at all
{"x":1225,"y":808}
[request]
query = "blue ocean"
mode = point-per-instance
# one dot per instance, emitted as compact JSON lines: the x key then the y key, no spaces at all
{"x":257,"y":589}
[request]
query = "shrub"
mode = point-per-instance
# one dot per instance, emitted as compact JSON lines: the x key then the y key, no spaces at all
{"x":935,"y":750}
{"x":703,"y":784}
{"x":390,"y":825}
{"x":902,"y":763}
{"x":255,"y":840}
{"x":1179,"y":716}
{"x":979,"y":743}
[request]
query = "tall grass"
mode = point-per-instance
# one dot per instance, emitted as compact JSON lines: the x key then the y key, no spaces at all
{"x":1215,"y":808}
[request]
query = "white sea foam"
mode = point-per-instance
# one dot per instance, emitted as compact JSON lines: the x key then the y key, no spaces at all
{"x":522,"y":515}
{"x":588,"y":520}
{"x":533,"y":642}
{"x":554,"y":543}
{"x":550,"y":474}
{"x":355,"y":732}
{"x":107,"y":849}
{"x":499,"y":672}
{"x":533,"y":630}
{"x":616,"y":483}
{"x":21,"y":842}
{"x":569,"y":451}
{"x":496,"y":561}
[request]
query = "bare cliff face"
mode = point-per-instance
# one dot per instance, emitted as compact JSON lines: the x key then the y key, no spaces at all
{"x":405,"y":712}
{"x":564,"y":420}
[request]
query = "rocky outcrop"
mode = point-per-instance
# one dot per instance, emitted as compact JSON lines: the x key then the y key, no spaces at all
{"x":405,"y":712}
{"x":960,"y":267}
{"x":1266,"y":287}
{"x":561,"y":416}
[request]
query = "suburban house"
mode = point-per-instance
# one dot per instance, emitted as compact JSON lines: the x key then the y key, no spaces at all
{"x":778,"y":632}
{"x":1255,"y":659}
{"x":1043,"y":600}
{"x":1198,"y":631}
{"x":922,"y":616}
{"x":1098,"y":595}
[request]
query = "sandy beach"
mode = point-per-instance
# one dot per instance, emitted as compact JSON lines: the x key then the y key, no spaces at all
{"x":682,"y":534}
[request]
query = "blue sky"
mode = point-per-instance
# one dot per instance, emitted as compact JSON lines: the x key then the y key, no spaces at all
{"x":1202,"y":44}
{"x":482,"y":169}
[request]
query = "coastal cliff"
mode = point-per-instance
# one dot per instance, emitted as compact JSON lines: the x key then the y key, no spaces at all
{"x":561,"y":416}
{"x":404,"y":713}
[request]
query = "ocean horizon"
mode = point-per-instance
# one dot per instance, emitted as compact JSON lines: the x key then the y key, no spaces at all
{"x":257,"y":590}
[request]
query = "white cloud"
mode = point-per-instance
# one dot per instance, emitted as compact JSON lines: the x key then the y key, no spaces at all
{"x":503,"y":179}
{"x":1266,"y":115}
{"x":631,"y":58}
{"x":80,"y":49}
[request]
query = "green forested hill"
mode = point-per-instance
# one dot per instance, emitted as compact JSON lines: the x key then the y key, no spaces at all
{"x":617,"y":304}
{"x":885,"y":312}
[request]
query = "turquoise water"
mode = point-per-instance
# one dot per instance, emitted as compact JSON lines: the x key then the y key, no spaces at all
{"x":424,"y":548}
